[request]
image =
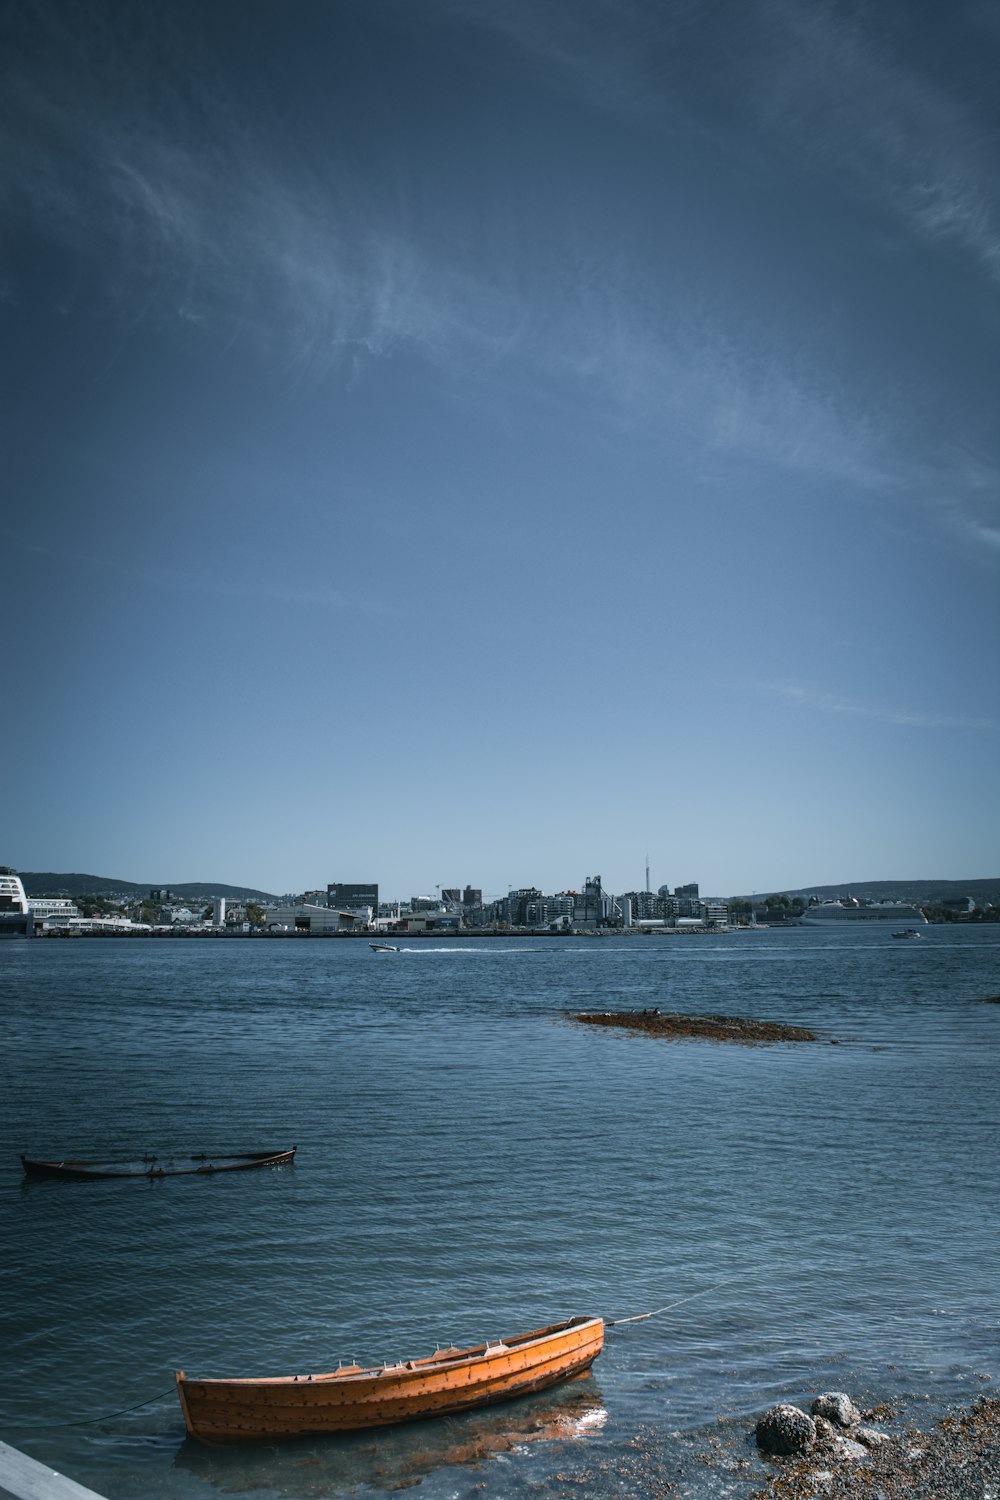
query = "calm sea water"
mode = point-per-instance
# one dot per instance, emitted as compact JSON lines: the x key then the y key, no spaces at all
{"x":473,"y":1164}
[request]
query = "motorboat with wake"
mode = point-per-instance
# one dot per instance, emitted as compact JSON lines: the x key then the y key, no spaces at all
{"x":383,"y":948}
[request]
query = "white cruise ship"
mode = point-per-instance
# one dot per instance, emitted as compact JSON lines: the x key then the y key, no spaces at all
{"x":850,"y":909}
{"x":16,"y":919}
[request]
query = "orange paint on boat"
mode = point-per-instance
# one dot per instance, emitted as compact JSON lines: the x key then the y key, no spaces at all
{"x":449,"y":1380}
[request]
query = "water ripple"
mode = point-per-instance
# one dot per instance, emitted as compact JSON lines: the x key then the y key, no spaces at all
{"x":472,"y":1163}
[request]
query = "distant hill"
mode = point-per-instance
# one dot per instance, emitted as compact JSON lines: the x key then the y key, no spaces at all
{"x":920,"y":892}
{"x":48,"y":883}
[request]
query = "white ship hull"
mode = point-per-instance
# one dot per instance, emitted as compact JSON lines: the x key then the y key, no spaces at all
{"x":830,"y":913}
{"x":16,"y":919}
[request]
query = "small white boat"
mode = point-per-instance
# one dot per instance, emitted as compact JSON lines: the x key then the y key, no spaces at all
{"x":382,"y":948}
{"x":907,"y":932}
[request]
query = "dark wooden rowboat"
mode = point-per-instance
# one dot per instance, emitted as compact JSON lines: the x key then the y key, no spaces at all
{"x":157,"y":1166}
{"x":449,"y":1380}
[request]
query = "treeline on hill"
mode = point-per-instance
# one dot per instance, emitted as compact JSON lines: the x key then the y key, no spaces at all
{"x":49,"y":883}
{"x":949,"y":914}
{"x":940,"y":901}
{"x":919,"y":892}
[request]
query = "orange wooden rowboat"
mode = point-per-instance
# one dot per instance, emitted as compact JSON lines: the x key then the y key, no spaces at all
{"x":449,"y":1380}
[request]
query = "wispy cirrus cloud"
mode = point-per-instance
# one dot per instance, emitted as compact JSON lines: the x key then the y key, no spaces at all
{"x":226,"y":246}
{"x":821,"y":95}
{"x":811,"y":697}
{"x":152,"y":169}
{"x":962,"y":497}
{"x":825,"y":84}
{"x":839,"y":96}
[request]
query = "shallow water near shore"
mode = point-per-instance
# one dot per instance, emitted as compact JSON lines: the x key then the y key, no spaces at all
{"x":471,"y":1164}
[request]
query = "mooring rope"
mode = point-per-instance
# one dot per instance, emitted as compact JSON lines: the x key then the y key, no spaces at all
{"x":89,"y":1421}
{"x":641,"y":1317}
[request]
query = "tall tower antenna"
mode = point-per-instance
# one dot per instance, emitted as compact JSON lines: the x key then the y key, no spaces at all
{"x":647,"y":869}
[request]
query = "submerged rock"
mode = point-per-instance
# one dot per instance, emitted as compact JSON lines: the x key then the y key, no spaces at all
{"x":785,"y":1429}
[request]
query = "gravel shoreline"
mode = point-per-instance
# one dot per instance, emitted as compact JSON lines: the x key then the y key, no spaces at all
{"x":957,"y":1459}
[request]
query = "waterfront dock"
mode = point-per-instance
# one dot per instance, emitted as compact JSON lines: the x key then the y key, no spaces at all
{"x":24,"y":1478}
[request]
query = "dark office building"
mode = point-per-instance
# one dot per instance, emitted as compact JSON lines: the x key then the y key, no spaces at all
{"x":350,"y":897}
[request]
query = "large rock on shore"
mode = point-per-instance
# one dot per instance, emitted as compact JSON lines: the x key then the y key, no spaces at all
{"x":838,"y":1408}
{"x":958,"y":1458}
{"x":785,"y":1429}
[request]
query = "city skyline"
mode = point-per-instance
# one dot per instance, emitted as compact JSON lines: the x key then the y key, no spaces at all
{"x":466,"y":438}
{"x":78,"y":884}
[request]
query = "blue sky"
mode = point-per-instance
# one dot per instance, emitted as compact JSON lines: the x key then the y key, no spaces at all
{"x":480,"y":441}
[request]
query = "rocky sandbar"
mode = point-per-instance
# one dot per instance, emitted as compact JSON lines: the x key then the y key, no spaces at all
{"x":740,"y":1029}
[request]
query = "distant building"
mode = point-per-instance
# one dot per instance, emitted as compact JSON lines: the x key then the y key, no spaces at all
{"x":592,"y":907}
{"x":645,"y":906}
{"x":559,"y":909}
{"x":522,"y":905}
{"x":94,"y":924}
{"x":686,"y":900}
{"x":353,"y":897}
{"x":424,"y":903}
{"x":472,"y":897}
{"x":301,"y":917}
{"x":47,"y":909}
{"x":436,"y":921}
{"x":178,"y":916}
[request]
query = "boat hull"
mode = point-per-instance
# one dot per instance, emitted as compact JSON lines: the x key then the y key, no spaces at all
{"x":243,"y":1411}
{"x":156,"y":1166}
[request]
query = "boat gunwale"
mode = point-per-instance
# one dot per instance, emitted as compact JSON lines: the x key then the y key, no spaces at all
{"x":407,"y":1370}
